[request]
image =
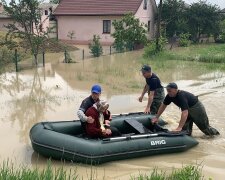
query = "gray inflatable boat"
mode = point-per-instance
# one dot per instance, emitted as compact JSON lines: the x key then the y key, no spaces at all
{"x":64,"y":140}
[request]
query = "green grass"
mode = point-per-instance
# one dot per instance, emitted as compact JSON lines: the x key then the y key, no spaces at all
{"x":210,"y":57}
{"x":188,"y":172}
{"x":211,"y":53}
{"x":8,"y":171}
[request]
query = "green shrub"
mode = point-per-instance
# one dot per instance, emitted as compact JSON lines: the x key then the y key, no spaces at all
{"x":184,"y":39}
{"x":129,"y":31}
{"x":188,"y":172}
{"x":95,"y":46}
{"x":119,"y":45}
{"x":151,"y":50}
{"x":220,"y":38}
{"x":6,"y":56}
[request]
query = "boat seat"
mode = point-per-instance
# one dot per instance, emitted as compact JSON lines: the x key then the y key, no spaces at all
{"x":139,"y":127}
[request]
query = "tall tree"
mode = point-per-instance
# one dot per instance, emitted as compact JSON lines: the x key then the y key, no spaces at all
{"x":129,"y":31}
{"x":203,"y":18}
{"x":158,"y":26}
{"x":27,"y":25}
{"x":173,"y":16}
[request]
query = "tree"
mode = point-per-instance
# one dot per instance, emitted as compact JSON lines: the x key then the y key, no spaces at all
{"x":220,"y":37}
{"x":128,"y":33}
{"x":27,"y":25}
{"x":173,"y":16}
{"x":95,"y":46}
{"x":71,"y":35}
{"x":158,"y":33}
{"x":203,"y":18}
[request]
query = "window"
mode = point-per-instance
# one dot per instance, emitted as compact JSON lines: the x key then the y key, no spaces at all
{"x":107,"y":26}
{"x":145,"y":4}
{"x":46,"y":12}
{"x":149,"y":25}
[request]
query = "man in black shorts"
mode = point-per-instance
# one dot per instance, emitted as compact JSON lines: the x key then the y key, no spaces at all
{"x":192,"y":111}
{"x":154,"y":88}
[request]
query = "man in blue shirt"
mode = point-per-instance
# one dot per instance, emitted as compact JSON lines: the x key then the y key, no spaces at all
{"x":154,"y":88}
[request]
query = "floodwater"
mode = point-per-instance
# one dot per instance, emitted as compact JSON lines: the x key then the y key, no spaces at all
{"x":55,"y":92}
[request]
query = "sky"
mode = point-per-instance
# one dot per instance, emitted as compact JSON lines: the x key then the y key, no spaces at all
{"x":220,"y":3}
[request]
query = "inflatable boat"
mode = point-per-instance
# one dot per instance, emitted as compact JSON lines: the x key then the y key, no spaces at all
{"x":64,"y":140}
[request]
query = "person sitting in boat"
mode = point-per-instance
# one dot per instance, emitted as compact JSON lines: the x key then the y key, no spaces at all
{"x":192,"y":109}
{"x":100,"y":128}
{"x":87,"y":103}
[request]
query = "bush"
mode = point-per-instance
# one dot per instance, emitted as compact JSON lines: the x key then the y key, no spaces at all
{"x":119,"y":45}
{"x":6,"y":55}
{"x":151,"y":50}
{"x":187,"y":172}
{"x":129,"y":31}
{"x":220,"y":38}
{"x":184,"y":39}
{"x":95,"y":46}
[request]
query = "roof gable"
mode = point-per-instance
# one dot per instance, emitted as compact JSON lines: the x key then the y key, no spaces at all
{"x":97,"y":7}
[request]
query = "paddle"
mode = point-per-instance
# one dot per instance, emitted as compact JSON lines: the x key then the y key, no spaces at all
{"x":126,"y":114}
{"x":139,"y":136}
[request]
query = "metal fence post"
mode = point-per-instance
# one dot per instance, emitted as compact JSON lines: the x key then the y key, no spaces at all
{"x":83,"y":54}
{"x":65,"y":56}
{"x":16,"y":60}
{"x":43,"y":56}
{"x":110,"y":50}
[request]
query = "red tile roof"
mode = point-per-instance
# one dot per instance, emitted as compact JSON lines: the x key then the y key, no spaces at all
{"x":97,"y":7}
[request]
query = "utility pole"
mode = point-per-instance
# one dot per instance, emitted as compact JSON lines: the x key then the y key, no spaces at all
{"x":158,"y":25}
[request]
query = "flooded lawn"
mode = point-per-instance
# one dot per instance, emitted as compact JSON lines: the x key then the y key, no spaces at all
{"x":55,"y":92}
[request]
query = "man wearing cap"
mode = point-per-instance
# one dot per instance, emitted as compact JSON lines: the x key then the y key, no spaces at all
{"x":154,"y":88}
{"x":192,"y":111}
{"x":87,"y":103}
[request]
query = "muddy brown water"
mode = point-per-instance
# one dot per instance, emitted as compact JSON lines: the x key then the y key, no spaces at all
{"x":55,"y":92}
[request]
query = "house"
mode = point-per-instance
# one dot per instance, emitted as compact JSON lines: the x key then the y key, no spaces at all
{"x":85,"y":18}
{"x":4,"y":18}
{"x":47,"y":18}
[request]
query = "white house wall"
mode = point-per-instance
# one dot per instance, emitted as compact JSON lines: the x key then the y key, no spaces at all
{"x":147,"y":15}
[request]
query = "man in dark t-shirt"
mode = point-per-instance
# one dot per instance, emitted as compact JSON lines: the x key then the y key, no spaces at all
{"x":154,"y":88}
{"x":192,"y":110}
{"x":87,"y":103}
